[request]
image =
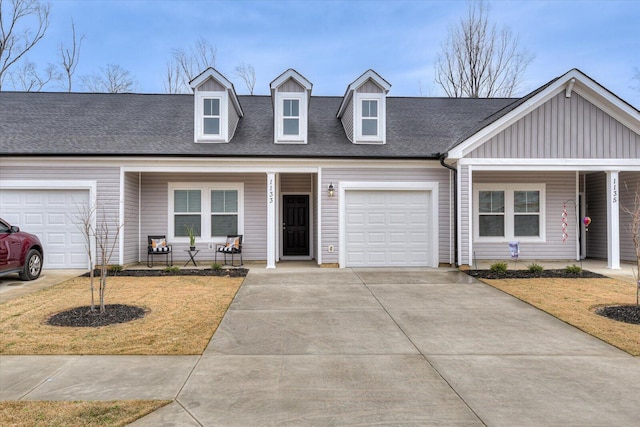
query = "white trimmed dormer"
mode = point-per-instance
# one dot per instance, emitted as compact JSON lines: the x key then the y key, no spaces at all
{"x":363,"y":110}
{"x":217,"y":110}
{"x":290,"y":94}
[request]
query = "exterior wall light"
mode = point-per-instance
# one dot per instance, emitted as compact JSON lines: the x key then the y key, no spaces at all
{"x":331,"y":190}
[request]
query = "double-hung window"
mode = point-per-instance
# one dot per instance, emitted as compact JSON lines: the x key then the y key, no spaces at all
{"x":211,"y":116}
{"x":511,"y":211}
{"x":369,"y":120}
{"x":291,"y":117}
{"x":212,"y":210}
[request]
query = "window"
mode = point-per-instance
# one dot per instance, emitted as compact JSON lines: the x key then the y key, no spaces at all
{"x":510,"y":211}
{"x":224,"y":212}
{"x":291,"y":117}
{"x":211,"y":116}
{"x":369,"y":117}
{"x":214,"y":210}
{"x":187,"y":210}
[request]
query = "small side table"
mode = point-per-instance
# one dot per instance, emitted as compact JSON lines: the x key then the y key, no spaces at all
{"x":192,"y":256}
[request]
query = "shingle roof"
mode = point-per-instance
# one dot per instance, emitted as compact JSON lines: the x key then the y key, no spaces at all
{"x":81,"y":124}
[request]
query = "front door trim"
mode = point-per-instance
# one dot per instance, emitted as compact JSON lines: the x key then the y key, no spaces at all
{"x":311,"y":228}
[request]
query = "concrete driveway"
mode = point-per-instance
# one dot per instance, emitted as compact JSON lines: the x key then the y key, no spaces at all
{"x":361,"y":347}
{"x":399,"y":347}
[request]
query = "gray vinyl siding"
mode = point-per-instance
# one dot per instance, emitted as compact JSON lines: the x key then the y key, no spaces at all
{"x":290,"y":86}
{"x":108,"y":187}
{"x":330,"y":208}
{"x":211,"y":86}
{"x":596,"y":196}
{"x":347,"y":120}
{"x":316,"y":217}
{"x":559,"y":188}
{"x":155,"y":205}
{"x":563,"y":128}
{"x":131,"y":230}
{"x":369,"y":87}
{"x":232,"y":119}
{"x":295,"y":183}
{"x":629,"y":186}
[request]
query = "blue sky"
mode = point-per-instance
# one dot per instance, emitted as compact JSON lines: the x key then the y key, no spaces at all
{"x":332,"y":42}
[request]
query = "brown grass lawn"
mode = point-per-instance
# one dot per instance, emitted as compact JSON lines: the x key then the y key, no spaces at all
{"x":183,"y":313}
{"x":574,"y":301}
{"x":75,"y":414}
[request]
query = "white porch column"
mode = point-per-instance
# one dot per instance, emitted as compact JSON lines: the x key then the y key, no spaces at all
{"x":271,"y":220}
{"x":613,"y":220}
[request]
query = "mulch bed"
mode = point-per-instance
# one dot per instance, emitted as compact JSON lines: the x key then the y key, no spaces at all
{"x":224,"y":272}
{"x":621,"y":313}
{"x":84,"y":317}
{"x":526,"y":274}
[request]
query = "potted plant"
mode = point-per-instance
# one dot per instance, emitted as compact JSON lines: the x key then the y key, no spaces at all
{"x":192,"y":237}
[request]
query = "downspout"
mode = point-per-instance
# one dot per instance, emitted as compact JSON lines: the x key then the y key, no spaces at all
{"x":455,"y":207}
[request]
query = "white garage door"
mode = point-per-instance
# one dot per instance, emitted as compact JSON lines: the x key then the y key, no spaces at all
{"x":388,"y":228}
{"x":50,"y":215}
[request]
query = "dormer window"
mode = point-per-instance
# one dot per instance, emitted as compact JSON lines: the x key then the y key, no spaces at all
{"x":217,"y":110}
{"x":290,"y":93}
{"x":363,"y":109}
{"x":211,"y":116}
{"x":291,"y":117}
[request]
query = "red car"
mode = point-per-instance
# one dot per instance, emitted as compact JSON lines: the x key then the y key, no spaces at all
{"x":20,"y":252}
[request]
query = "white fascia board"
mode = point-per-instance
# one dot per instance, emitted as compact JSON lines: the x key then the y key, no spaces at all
{"x":369,"y":74}
{"x":291,"y":74}
{"x":553,"y":164}
{"x":582,"y":84}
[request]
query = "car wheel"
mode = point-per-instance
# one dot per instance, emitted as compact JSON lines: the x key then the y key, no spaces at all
{"x":32,"y":266}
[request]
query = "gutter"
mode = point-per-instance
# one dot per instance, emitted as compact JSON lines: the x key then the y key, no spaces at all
{"x":443,"y":156}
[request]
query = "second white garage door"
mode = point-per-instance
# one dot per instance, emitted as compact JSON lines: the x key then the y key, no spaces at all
{"x":50,"y":215}
{"x":386,"y":228}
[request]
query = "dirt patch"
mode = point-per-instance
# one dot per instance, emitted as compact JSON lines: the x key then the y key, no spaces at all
{"x":84,"y":317}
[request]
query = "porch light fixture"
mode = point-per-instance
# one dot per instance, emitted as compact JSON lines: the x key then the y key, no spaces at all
{"x":331,"y":190}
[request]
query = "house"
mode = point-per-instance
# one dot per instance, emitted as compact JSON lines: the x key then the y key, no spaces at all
{"x":359,"y":180}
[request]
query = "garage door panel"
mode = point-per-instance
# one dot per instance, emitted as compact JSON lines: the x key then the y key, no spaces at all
{"x":50,"y":215}
{"x":396,"y":228}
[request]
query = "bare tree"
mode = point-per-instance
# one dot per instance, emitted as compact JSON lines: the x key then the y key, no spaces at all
{"x":185,"y":65}
{"x":477,"y":60}
{"x":634,"y":212}
{"x":96,"y":226}
{"x":27,"y":78}
{"x":71,"y":56}
{"x":16,"y":34}
{"x":113,"y":79}
{"x":248,"y":75}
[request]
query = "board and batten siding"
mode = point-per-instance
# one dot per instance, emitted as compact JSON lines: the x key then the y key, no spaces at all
{"x":559,"y":188}
{"x":131,"y":229}
{"x":330,"y":206}
{"x":107,"y":187}
{"x":155,"y":206}
{"x":563,"y":128}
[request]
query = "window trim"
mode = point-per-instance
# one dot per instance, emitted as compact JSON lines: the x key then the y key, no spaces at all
{"x":380,"y":138}
{"x":280,"y":137}
{"x":509,"y":212}
{"x":205,"y":209}
{"x":199,"y":116}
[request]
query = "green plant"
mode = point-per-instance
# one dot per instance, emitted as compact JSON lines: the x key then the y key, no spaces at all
{"x":216,"y":266}
{"x":192,"y":235}
{"x":498,"y":267}
{"x":573,"y":269}
{"x":535,"y":268}
{"x":115,"y":268}
{"x":172,"y":269}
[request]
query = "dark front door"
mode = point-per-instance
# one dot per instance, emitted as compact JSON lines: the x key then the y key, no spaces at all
{"x":295,"y":226}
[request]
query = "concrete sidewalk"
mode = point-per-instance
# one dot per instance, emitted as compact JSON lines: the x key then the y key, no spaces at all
{"x":364,"y":346}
